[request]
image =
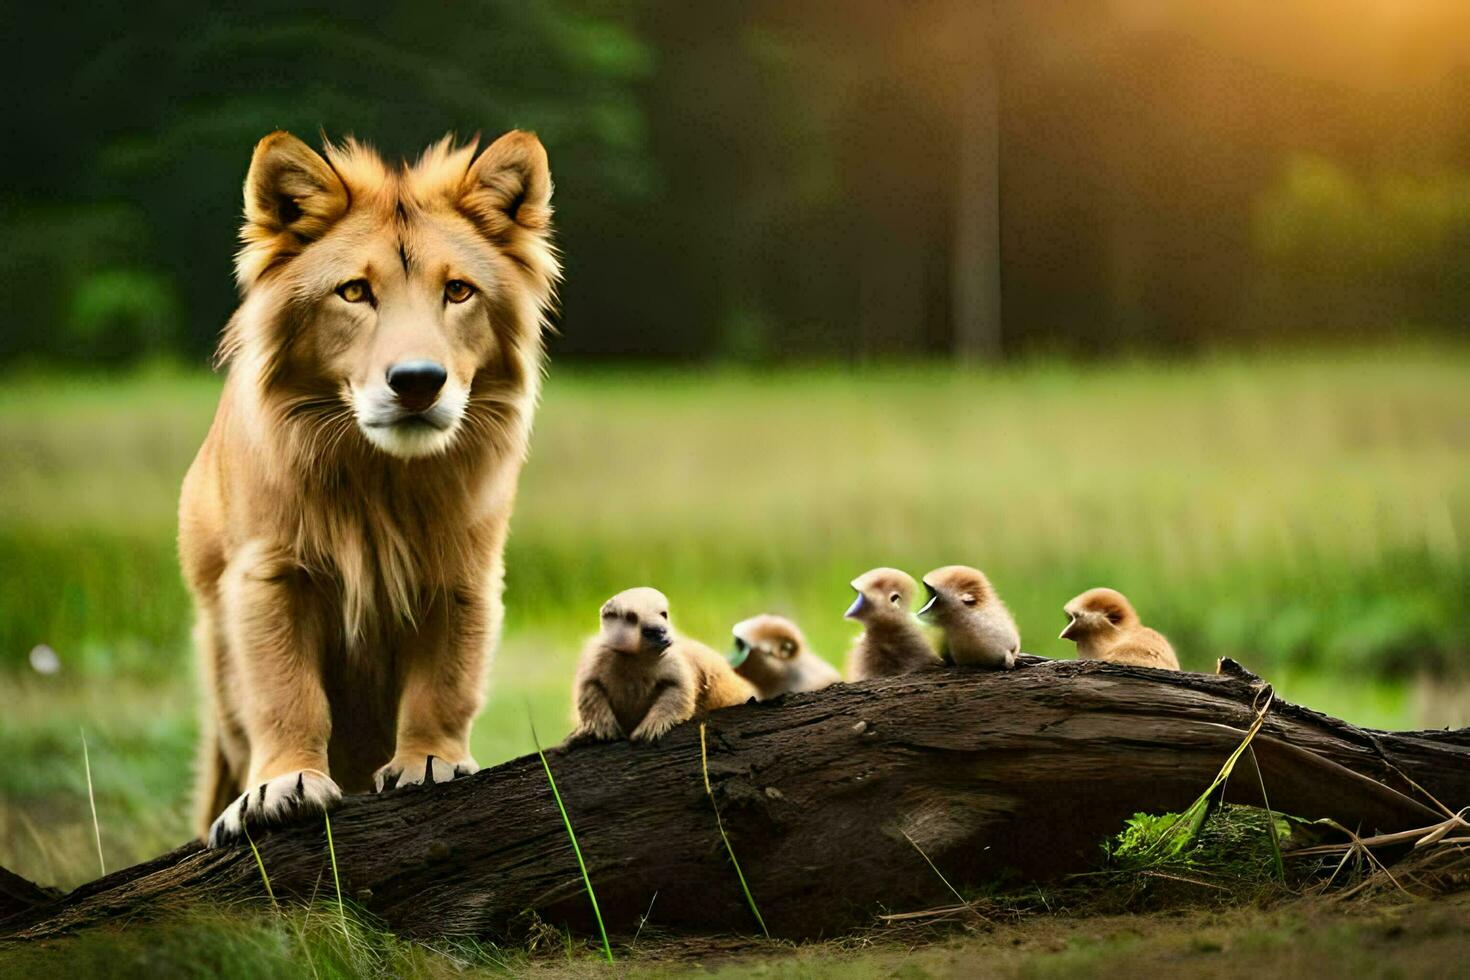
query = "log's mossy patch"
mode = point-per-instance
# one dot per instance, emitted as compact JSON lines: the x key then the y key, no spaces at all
{"x":1214,"y":857}
{"x":1232,"y":841}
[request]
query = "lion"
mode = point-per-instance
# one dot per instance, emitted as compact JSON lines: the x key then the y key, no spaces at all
{"x":341,"y":530}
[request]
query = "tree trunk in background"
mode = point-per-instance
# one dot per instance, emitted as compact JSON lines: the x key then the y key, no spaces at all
{"x":1020,"y":773}
{"x":975,"y":278}
{"x":893,"y":235}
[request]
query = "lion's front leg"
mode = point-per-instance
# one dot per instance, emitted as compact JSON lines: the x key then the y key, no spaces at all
{"x":441,"y":678}
{"x":275,"y":645}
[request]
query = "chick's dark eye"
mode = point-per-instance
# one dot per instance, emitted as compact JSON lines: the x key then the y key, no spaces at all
{"x":457,"y":290}
{"x":665,"y":614}
{"x":631,"y":619}
{"x":893,"y":598}
{"x":356,"y":291}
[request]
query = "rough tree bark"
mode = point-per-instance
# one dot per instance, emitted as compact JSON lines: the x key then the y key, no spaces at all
{"x":1018,"y":773}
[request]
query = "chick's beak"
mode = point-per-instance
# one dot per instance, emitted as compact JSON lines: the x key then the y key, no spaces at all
{"x":855,"y":608}
{"x":928,"y":607}
{"x":1070,"y":633}
{"x":739,"y":654}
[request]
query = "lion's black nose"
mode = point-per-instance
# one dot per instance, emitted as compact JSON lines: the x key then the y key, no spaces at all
{"x":416,"y":383}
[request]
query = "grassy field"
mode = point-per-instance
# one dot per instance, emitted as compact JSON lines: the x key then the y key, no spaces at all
{"x":1391,"y":940}
{"x":1309,"y":516}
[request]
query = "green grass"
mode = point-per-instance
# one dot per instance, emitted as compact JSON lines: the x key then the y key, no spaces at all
{"x":243,"y":944}
{"x":576,"y":848}
{"x":1279,"y":939}
{"x":1308,"y":515}
{"x":1308,"y":512}
{"x":720,"y":825}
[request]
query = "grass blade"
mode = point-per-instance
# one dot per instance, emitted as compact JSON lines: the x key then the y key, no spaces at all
{"x":1193,"y":818}
{"x":965,"y":905}
{"x":643,"y":920}
{"x":92,"y":802}
{"x":719,"y":822}
{"x":336,"y":880}
{"x":572,"y":836}
{"x":952,"y":890}
{"x":296,"y":927}
{"x":1270,"y":819}
{"x":261,"y":865}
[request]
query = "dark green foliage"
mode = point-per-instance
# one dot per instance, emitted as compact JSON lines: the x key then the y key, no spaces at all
{"x":122,"y":187}
{"x":1233,"y":842}
{"x":765,"y":181}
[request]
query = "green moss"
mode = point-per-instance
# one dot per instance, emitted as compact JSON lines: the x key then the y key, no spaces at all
{"x":1233,"y":840}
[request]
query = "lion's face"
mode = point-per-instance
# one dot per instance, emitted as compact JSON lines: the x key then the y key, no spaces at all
{"x":410,"y":300}
{"x":400,"y":317}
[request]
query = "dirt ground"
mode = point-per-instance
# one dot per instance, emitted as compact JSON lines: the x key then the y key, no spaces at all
{"x":1299,"y":938}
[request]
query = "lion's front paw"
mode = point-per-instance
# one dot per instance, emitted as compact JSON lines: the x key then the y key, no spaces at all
{"x":415,"y":769}
{"x":285,"y":799}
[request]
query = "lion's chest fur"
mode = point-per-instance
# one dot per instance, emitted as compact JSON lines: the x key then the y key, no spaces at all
{"x":389,"y":550}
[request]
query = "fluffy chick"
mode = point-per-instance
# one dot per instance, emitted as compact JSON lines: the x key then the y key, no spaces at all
{"x":773,"y":656}
{"x":638,"y":678}
{"x":978,"y":628}
{"x":1105,"y":627}
{"x":891,"y":642}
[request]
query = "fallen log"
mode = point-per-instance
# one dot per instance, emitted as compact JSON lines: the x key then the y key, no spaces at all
{"x":18,"y":895}
{"x":824,"y":797}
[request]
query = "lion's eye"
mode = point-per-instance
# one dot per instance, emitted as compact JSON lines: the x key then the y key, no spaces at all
{"x":356,"y":291}
{"x":457,"y":290}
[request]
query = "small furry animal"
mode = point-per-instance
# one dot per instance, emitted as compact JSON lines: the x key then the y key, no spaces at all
{"x":977,"y":626}
{"x":638,"y":678}
{"x":775,"y":659}
{"x":343,"y":525}
{"x":1105,"y":627}
{"x":891,"y":642}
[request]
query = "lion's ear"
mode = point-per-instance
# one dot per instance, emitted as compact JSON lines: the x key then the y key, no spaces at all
{"x":508,"y":185}
{"x":290,"y":191}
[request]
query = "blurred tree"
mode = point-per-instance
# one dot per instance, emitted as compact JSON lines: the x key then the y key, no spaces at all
{"x":158,"y":107}
{"x":778,"y":179}
{"x":1346,"y":250}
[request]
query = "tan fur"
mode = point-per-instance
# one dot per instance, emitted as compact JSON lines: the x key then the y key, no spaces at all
{"x":348,"y":595}
{"x":891,"y":642}
{"x":777,"y":658}
{"x":638,"y":678}
{"x":1105,"y":627}
{"x":977,"y":627}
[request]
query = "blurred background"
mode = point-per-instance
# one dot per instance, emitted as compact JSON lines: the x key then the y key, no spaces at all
{"x":1168,"y":296}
